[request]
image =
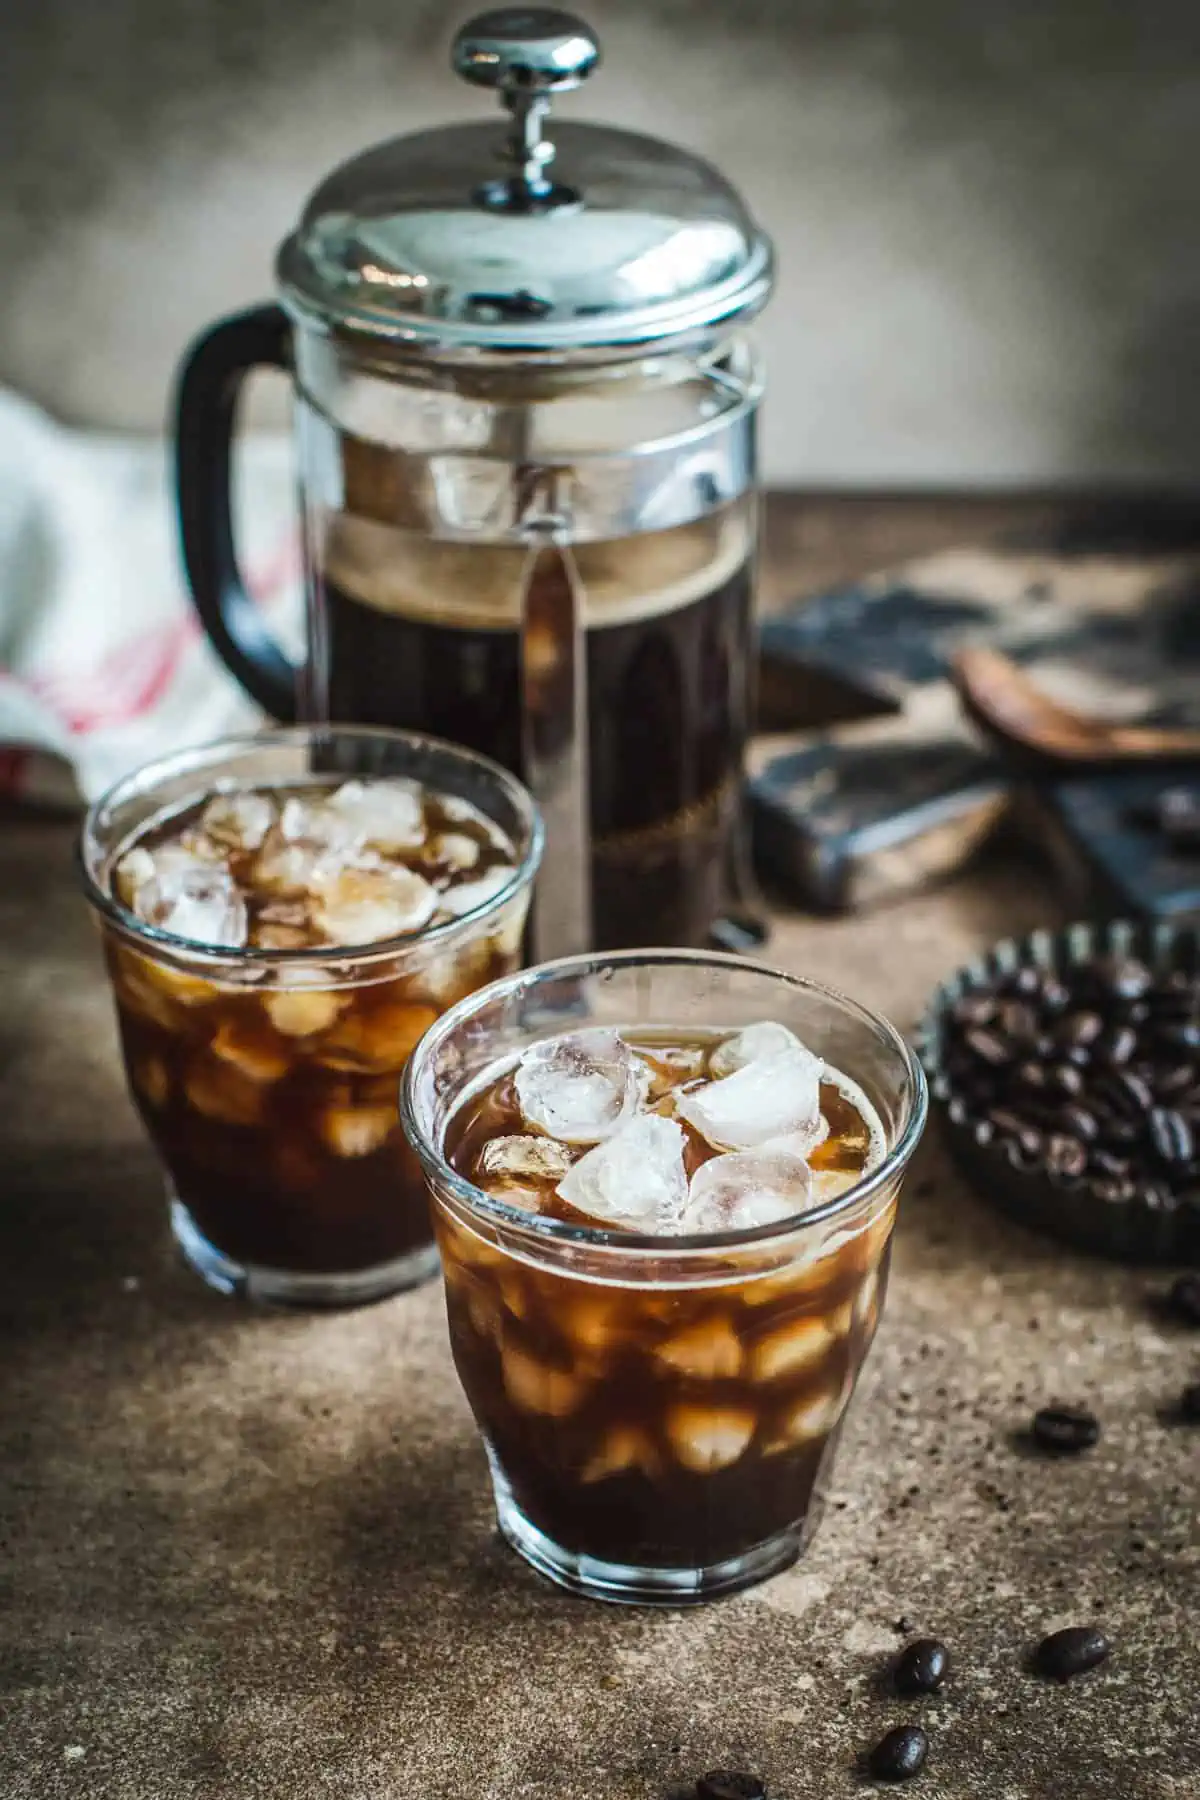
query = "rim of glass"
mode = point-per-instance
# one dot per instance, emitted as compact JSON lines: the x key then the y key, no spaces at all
{"x":201,"y":758}
{"x":558,"y":1230}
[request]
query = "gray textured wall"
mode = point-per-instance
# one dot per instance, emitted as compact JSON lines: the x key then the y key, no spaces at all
{"x":985,"y":208}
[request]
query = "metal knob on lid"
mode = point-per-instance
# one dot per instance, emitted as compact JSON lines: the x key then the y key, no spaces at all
{"x":528,"y":55}
{"x":420,"y":242}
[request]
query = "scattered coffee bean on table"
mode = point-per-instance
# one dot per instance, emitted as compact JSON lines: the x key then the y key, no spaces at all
{"x":1189,"y":1403}
{"x":730,"y":1784}
{"x":899,"y":1755}
{"x":1065,"y":1430}
{"x":1091,"y":1077}
{"x":1183,"y":1300}
{"x":921,"y":1667}
{"x":1070,"y":1652}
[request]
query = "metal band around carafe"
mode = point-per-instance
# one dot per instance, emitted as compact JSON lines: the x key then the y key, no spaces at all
{"x":470,"y":495}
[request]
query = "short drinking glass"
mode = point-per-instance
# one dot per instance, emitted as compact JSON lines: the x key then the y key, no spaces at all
{"x":660,"y":1412}
{"x":265,"y":1063}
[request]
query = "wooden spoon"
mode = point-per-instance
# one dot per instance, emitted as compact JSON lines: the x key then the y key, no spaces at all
{"x":1012,"y":710}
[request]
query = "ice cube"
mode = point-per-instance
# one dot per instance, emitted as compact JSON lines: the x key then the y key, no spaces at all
{"x":356,"y":905}
{"x":624,"y":1448}
{"x":579,"y":1088}
{"x":802,"y":1343}
{"x":708,"y":1350}
{"x":670,"y":1067}
{"x":190,"y":897}
{"x":136,"y":870}
{"x":773,"y":1096}
{"x":707,"y":1438}
{"x":310,"y":820}
{"x":636,"y":1177}
{"x":221,"y":1092}
{"x":539,"y":1387}
{"x":152,"y":1080}
{"x":746,"y":1188}
{"x":534,"y":1158}
{"x":238,"y":820}
{"x":830,"y":1184}
{"x":389,"y":815}
{"x":285,"y":866}
{"x":811,"y":1418}
{"x":353,"y":1131}
{"x":380,"y":1040}
{"x":455,"y":849}
{"x":251,"y":1052}
{"x":465,"y":896}
{"x":300,"y":1013}
{"x":751,"y":1044}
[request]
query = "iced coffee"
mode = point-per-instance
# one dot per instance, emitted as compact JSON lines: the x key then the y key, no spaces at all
{"x":662,"y":1297}
{"x":280,"y":931}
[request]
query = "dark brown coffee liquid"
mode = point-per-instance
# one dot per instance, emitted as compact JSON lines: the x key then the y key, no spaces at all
{"x":667,"y":727}
{"x":677,"y":1424}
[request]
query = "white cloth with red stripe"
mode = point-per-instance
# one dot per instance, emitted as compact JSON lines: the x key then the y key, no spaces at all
{"x":103,"y":664}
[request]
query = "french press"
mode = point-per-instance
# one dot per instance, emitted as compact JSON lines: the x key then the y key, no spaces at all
{"x":525,"y":418}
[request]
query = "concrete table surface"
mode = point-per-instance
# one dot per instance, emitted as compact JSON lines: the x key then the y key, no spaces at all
{"x":251,"y":1555}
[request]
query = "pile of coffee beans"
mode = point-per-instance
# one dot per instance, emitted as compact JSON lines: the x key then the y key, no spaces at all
{"x":1094,"y":1075}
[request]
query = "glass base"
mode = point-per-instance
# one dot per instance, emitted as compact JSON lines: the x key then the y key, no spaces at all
{"x":287,"y":1287}
{"x":627,"y":1584}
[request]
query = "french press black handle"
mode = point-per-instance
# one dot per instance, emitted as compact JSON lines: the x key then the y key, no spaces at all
{"x":210,"y":382}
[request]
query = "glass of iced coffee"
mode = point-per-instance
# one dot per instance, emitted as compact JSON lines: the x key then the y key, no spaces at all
{"x":283,"y":917}
{"x":664,"y":1187}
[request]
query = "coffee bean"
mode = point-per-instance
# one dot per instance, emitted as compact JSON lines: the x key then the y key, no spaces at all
{"x":989,"y":1047}
{"x":1065,"y":1156}
{"x":1055,"y":997}
{"x":1117,"y":1046}
{"x":975,"y":1009}
{"x":1071,"y":1652}
{"x":1118,"y":1191}
{"x":1081,"y":1123}
{"x":900,"y":1755}
{"x":1065,"y":1079}
{"x":1027,"y":980}
{"x":1079,"y":1029}
{"x":1105,"y":1163}
{"x":1183,"y":1301}
{"x":1017,"y":1020}
{"x":921,"y":1667}
{"x":1065,"y":1430}
{"x":1122,"y":977}
{"x":1032,"y":1075}
{"x":1172,"y":1084}
{"x":1010,"y":1126}
{"x":1189,"y":1403}
{"x":1159,"y":1199}
{"x":1127,"y":1093}
{"x":730,"y":1784}
{"x":1171,"y":1136}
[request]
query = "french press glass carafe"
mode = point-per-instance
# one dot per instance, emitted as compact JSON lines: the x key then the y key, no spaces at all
{"x":525,"y":417}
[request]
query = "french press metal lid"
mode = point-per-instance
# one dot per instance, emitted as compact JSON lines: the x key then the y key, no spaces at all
{"x":437,"y":243}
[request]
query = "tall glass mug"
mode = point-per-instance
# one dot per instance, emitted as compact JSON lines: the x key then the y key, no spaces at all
{"x":660,"y":1413}
{"x":268,"y":1078}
